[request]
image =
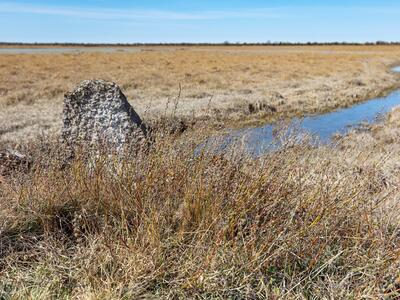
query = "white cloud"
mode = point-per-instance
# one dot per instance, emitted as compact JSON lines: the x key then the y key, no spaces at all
{"x":132,"y":14}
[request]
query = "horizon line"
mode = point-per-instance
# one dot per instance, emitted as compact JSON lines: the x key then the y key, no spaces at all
{"x":203,"y":43}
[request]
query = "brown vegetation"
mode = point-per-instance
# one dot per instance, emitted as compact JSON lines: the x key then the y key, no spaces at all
{"x":298,"y":223}
{"x":229,"y":84}
{"x":383,"y":141}
{"x":301,"y":222}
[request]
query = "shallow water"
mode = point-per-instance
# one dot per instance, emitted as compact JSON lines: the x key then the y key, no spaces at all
{"x":257,"y":141}
{"x":52,"y":50}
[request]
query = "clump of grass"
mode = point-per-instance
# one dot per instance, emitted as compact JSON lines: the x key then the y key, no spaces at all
{"x":297,"y":223}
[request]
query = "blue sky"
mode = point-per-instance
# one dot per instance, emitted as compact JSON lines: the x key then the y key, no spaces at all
{"x":115,"y":21}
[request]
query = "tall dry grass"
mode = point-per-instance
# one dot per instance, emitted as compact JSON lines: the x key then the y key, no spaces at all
{"x":301,"y":222}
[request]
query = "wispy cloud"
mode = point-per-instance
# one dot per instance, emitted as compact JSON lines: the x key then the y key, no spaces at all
{"x":133,"y":14}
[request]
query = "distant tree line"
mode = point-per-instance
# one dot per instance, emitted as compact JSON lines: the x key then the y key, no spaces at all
{"x":226,"y":43}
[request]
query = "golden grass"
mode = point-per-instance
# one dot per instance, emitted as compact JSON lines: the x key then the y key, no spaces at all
{"x":299,"y":223}
{"x":302,"y":222}
{"x":382,"y":140}
{"x":230,"y":84}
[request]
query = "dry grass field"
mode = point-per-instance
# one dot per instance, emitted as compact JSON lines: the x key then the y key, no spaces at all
{"x":303,"y":222}
{"x":229,"y":85}
{"x":300,"y":223}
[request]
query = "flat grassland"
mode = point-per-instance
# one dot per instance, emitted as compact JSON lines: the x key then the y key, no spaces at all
{"x":304,"y":222}
{"x":229,"y":85}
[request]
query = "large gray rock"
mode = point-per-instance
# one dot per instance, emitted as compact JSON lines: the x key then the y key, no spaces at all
{"x":97,"y":113}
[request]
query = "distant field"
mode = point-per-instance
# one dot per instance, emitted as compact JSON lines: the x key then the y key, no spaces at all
{"x":228,"y":84}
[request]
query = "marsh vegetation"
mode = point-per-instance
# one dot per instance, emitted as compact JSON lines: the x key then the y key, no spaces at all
{"x":227,"y":86}
{"x":304,"y":221}
{"x":300,"y":222}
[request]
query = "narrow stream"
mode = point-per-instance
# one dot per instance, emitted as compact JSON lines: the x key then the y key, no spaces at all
{"x":260,"y":140}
